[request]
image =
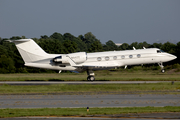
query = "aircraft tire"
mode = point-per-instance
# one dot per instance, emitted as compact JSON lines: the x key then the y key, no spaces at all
{"x":163,"y":71}
{"x":90,"y":78}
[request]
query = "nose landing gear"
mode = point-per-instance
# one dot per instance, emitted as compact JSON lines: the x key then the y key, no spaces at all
{"x":162,"y":67}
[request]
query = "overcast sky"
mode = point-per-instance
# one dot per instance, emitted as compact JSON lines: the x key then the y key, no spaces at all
{"x":122,"y":21}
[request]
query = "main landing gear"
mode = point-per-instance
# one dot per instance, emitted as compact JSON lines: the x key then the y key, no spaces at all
{"x":90,"y":75}
{"x":162,"y":67}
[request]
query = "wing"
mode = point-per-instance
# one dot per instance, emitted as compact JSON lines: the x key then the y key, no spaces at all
{"x":96,"y":65}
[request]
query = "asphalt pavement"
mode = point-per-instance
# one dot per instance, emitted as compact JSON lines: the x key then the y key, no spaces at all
{"x":75,"y":101}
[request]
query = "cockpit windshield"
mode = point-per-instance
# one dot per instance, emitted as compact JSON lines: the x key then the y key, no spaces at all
{"x":160,"y":51}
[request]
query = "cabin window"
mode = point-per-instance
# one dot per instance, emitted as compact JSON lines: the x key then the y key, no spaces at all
{"x":107,"y":58}
{"x":115,"y":57}
{"x":122,"y":56}
{"x":138,"y":55}
{"x":130,"y":56}
{"x":99,"y":59}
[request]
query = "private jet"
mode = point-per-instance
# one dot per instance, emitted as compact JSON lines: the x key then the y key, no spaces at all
{"x":34,"y":56}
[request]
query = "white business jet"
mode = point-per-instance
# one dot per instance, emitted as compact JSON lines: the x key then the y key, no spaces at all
{"x":34,"y":56}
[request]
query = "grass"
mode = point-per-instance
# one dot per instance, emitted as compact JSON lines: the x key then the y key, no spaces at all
{"x":119,"y":75}
{"x":91,"y":88}
{"x":83,"y":112}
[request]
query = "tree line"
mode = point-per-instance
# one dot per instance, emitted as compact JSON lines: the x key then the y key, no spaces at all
{"x":11,"y":61}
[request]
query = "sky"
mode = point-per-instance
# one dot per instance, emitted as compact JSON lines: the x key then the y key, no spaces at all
{"x":122,"y":21}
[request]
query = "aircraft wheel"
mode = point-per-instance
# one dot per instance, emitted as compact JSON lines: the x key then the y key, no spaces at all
{"x":90,"y":78}
{"x":163,"y":71}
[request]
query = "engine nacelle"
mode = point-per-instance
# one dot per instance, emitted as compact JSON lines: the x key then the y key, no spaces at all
{"x":61,"y":59}
{"x":79,"y":57}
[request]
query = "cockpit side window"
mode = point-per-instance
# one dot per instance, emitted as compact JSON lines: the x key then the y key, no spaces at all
{"x":160,"y":51}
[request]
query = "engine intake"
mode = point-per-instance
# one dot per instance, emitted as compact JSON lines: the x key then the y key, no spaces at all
{"x":60,"y":59}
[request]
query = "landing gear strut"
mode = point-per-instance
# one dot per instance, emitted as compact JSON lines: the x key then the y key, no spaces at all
{"x":90,"y":75}
{"x":162,"y":67}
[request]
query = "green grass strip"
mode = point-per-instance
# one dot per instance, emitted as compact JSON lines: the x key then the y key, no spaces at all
{"x":91,"y":88}
{"x":100,"y":75}
{"x":83,"y":112}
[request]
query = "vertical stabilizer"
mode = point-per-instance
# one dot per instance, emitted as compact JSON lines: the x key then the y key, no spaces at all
{"x":29,"y":50}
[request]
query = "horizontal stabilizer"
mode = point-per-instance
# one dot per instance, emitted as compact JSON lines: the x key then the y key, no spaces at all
{"x":19,"y":41}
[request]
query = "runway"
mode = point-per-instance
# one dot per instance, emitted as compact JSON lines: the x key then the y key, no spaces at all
{"x":76,"y":101}
{"x":90,"y":100}
{"x":78,"y":82}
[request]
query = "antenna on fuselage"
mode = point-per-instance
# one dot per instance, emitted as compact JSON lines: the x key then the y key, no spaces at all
{"x":144,"y":48}
{"x":134,"y":48}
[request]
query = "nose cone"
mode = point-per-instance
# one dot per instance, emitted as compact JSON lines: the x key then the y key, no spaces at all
{"x":167,"y":57}
{"x":173,"y":57}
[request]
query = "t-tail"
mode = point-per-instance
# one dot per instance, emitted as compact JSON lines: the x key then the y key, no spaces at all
{"x":29,"y":50}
